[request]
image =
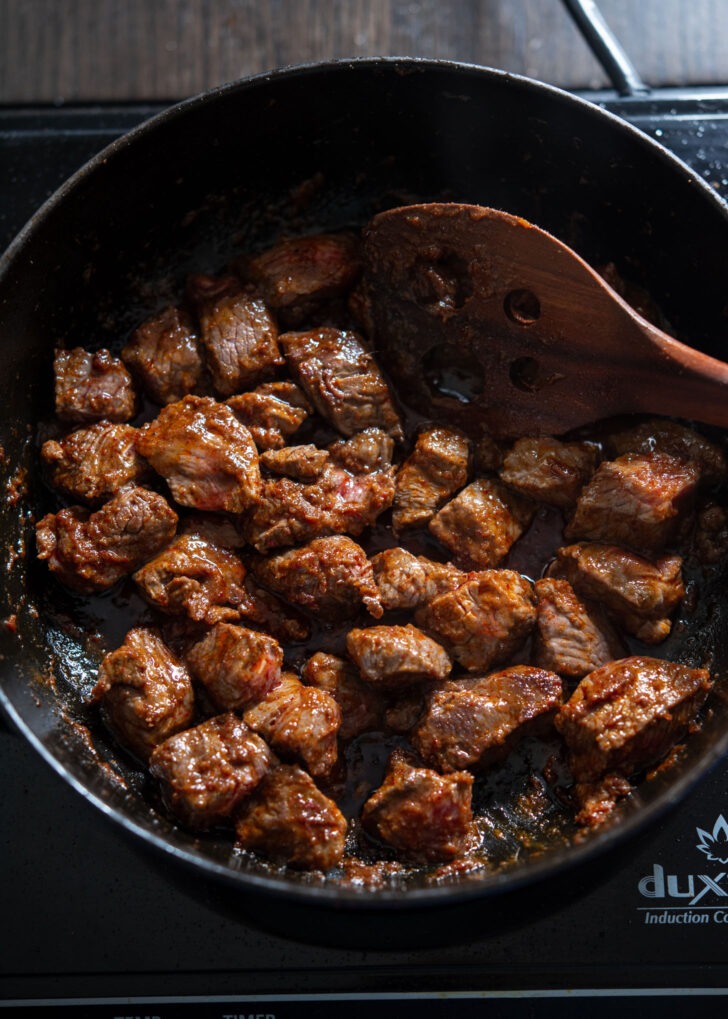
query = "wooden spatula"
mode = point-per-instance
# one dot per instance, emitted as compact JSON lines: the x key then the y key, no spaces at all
{"x":495,"y":323}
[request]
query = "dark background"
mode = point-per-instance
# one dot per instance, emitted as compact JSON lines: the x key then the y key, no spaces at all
{"x":117,"y":50}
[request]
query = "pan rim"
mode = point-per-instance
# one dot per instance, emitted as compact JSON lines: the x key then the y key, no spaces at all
{"x":341,"y":65}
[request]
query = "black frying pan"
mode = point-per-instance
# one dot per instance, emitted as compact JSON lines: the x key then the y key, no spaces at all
{"x":311,"y":148}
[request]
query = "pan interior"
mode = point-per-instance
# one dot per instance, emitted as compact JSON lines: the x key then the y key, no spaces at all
{"x":302,"y":151}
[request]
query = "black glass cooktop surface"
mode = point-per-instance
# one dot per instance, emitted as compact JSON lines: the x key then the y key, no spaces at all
{"x":96,"y":924}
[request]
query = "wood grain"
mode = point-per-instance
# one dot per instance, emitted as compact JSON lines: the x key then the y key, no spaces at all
{"x":87,"y":50}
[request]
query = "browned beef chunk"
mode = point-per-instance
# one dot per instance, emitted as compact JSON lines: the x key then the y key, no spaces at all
{"x":633,"y":294}
{"x":195,"y":578}
{"x":365,"y":452}
{"x":710,"y":541}
{"x":431,"y":474}
{"x":225,"y":532}
{"x":406,"y":581}
{"x":91,"y":552}
{"x":208,"y":459}
{"x":358,"y":306}
{"x":206,"y":772}
{"x":300,"y":722}
{"x":291,"y":512}
{"x":297,"y":277}
{"x":548,"y":470}
{"x":261,"y":608}
{"x":272,"y":412}
{"x":302,"y":463}
{"x":237,"y":667}
{"x":424,"y":816}
{"x":342,"y":380}
{"x":93,"y":463}
{"x":641,"y":594}
{"x":597,"y":800}
{"x":145,"y":692}
{"x":406,"y":709}
{"x":361,"y":706}
{"x":573,"y":637}
{"x":164,"y":355}
{"x":90,"y":387}
{"x":664,"y":436}
{"x":391,"y":657}
{"x":473,"y":723}
{"x":238,"y":332}
{"x":628,"y":714}
{"x":488,"y":455}
{"x":330,"y":577}
{"x":290,"y":821}
{"x":484,"y":620}
{"x":258,"y":606}
{"x":481,"y":523}
{"x":639,"y":499}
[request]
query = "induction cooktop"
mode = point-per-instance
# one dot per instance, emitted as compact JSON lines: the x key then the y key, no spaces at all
{"x":95,"y":924}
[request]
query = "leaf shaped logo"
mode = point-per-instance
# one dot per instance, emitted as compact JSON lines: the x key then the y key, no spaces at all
{"x":715,"y":844}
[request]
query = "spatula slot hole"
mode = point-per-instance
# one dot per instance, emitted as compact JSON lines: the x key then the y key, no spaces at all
{"x":522,"y":306}
{"x":453,"y":373}
{"x":440,"y":280}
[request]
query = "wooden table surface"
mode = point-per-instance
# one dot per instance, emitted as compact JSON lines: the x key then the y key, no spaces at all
{"x":114,"y":50}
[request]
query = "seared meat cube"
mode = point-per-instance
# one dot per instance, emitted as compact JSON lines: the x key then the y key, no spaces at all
{"x":406,"y":709}
{"x":342,"y":380}
{"x":639,"y":499}
{"x":93,"y":463}
{"x":217,"y":529}
{"x":484,"y":620}
{"x":92,"y":551}
{"x":488,"y":455}
{"x":236,"y":666}
{"x":238,"y":332}
{"x":300,"y":722}
{"x":90,"y":387}
{"x":633,"y":294}
{"x":641,"y":594}
{"x":425,"y":816}
{"x":573,"y":637}
{"x":290,"y":821}
{"x":597,"y":800}
{"x":245,"y":599}
{"x":360,"y":705}
{"x":145,"y":692}
{"x":206,"y":772}
{"x":330,"y":577}
{"x":548,"y":470}
{"x":164,"y":355}
{"x":474,"y":723}
{"x":195,"y":578}
{"x":365,"y":452}
{"x":298,"y":276}
{"x":392,"y":657}
{"x":628,"y":714}
{"x":272,"y":412}
{"x":664,"y":436}
{"x":431,"y":474}
{"x":406,"y":581}
{"x":302,"y":463}
{"x":261,"y":608}
{"x":710,"y":541}
{"x":481,"y":523}
{"x":206,"y":456}
{"x":292,"y":512}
